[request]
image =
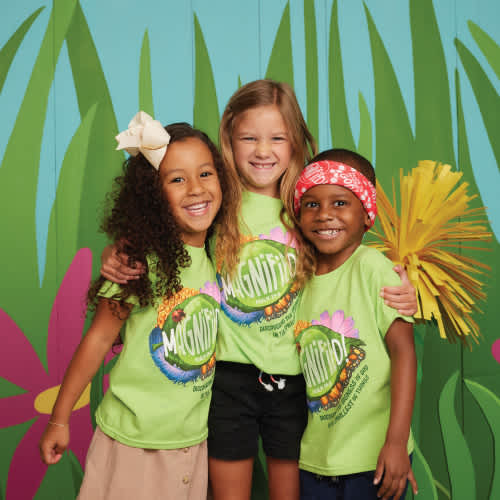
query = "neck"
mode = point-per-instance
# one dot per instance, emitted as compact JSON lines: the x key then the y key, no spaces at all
{"x":326,"y":263}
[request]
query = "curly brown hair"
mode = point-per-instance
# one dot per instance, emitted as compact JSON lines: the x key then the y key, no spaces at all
{"x":252,"y":95}
{"x":306,"y":254}
{"x":138,"y":217}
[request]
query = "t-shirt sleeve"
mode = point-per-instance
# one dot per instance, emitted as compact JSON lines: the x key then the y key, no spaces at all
{"x":384,"y":275}
{"x":109,"y":290}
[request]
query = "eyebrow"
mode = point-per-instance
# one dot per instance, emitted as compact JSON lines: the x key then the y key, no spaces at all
{"x":203,"y":165}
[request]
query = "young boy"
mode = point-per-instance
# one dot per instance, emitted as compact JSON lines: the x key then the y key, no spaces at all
{"x":357,"y":354}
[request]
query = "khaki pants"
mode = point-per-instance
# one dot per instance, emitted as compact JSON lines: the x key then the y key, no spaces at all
{"x":114,"y":471}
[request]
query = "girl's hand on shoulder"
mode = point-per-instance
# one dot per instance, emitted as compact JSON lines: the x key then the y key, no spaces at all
{"x":53,"y":443}
{"x":403,"y":297}
{"x":115,"y":268}
{"x":392,"y":472}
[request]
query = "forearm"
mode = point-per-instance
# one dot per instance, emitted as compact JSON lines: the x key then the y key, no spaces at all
{"x":403,"y":383}
{"x":86,"y":361}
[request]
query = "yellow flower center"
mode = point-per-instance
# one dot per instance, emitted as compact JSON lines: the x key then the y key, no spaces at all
{"x":44,"y":402}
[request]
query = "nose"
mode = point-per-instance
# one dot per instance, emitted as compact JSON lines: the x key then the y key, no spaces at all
{"x":196,"y":186}
{"x":324,"y":213}
{"x":263,"y":149}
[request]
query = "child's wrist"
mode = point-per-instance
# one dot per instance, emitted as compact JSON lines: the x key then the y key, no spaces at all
{"x":57,"y":424}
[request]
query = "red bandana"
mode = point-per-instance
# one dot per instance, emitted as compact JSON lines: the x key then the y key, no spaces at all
{"x":338,"y":174}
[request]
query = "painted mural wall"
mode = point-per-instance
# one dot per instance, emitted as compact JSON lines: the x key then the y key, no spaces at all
{"x":398,"y":80}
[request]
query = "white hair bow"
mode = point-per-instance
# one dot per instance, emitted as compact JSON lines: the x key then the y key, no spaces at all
{"x":145,"y":135}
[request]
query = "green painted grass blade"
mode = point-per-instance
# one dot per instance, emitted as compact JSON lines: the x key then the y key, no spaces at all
{"x":365,"y":145}
{"x":339,"y":118}
{"x":486,"y":96}
{"x":18,"y":181}
{"x":145,"y":84}
{"x":394,"y":141}
{"x":280,"y":65}
{"x":103,"y":162}
{"x":9,"y":50}
{"x":312,"y":85}
{"x":206,"y":109}
{"x":458,"y":457}
{"x":76,"y":471}
{"x":423,"y":474}
{"x":433,"y":123}
{"x":488,"y":46}
{"x":490,"y":406}
{"x":62,"y":239}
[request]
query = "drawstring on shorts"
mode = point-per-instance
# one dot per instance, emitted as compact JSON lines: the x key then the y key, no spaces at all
{"x":280,"y":383}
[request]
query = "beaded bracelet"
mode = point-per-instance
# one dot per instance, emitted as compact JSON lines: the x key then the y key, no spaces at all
{"x":55,"y":423}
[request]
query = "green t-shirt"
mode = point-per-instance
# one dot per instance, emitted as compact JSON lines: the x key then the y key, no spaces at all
{"x":340,"y":333}
{"x":259,"y":303}
{"x":160,"y":388}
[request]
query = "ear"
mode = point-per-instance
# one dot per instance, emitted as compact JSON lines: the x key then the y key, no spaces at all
{"x":366,"y":219}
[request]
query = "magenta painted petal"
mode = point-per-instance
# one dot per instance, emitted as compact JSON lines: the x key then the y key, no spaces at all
{"x":348,"y":323}
{"x":325,"y":319}
{"x":27,"y":469}
{"x":16,"y":409}
{"x":495,"y":350}
{"x":68,"y":314}
{"x":337,"y":320}
{"x":16,"y":354}
{"x":81,"y":433}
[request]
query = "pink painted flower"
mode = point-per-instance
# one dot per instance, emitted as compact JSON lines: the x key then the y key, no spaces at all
{"x":20,"y":365}
{"x":277,"y":234}
{"x":211,"y":288}
{"x":495,"y":350}
{"x":338,"y":323}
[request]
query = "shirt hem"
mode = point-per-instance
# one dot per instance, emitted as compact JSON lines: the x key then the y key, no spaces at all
{"x":157,"y":445}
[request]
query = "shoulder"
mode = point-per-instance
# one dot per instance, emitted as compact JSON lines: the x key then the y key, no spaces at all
{"x":375,"y":264}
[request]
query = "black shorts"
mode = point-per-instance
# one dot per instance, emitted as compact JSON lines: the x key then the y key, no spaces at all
{"x":243,"y":408}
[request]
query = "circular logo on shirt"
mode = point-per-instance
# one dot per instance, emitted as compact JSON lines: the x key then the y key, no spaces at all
{"x":183,"y":343}
{"x":263,"y":287}
{"x":328,"y":360}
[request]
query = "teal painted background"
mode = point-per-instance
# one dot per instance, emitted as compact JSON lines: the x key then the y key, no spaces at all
{"x":399,"y":80}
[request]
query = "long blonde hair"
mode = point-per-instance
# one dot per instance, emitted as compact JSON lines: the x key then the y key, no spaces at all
{"x":265,"y":93}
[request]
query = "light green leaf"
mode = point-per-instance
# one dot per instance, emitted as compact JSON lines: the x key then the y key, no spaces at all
{"x":433,"y":123}
{"x":486,"y":96}
{"x":312,"y":86}
{"x":490,"y":405}
{"x":103,"y":162}
{"x":458,"y":457}
{"x":393,"y":135}
{"x":145,"y":84}
{"x":206,"y":109}
{"x":488,"y":46}
{"x":9,"y":50}
{"x":365,"y":145}
{"x":280,"y":65}
{"x":62,"y":239}
{"x":18,"y":183}
{"x":339,"y":118}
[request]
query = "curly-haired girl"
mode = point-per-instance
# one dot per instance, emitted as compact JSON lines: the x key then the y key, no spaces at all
{"x":152,"y":422}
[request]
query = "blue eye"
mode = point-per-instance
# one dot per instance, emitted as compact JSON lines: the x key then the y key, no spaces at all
{"x":248,"y":139}
{"x":279,"y":138}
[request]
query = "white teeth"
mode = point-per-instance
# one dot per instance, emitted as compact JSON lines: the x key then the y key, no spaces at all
{"x":198,"y":207}
{"x":327,"y":232}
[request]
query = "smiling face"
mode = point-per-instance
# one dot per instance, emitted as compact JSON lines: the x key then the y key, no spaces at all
{"x":333,"y":219}
{"x":262,"y":149}
{"x":191,"y":186}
